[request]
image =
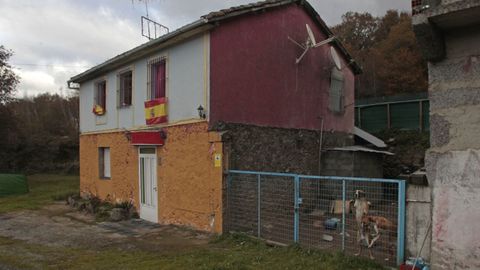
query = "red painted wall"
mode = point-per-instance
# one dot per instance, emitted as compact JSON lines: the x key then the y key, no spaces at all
{"x":254,"y":78}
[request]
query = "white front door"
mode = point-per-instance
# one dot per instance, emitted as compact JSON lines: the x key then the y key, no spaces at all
{"x":148,"y":183}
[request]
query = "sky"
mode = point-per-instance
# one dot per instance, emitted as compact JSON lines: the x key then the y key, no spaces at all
{"x":54,"y":40}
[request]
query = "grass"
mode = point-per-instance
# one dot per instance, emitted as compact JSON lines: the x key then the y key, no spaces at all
{"x":225,"y":252}
{"x":43,"y":190}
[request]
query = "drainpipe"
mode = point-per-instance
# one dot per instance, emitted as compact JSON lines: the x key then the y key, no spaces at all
{"x":320,"y":143}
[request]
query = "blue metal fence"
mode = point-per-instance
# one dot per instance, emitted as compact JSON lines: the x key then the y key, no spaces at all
{"x":315,"y":211}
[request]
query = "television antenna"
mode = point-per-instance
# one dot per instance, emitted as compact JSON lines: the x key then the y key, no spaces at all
{"x":150,"y":28}
{"x":311,"y":43}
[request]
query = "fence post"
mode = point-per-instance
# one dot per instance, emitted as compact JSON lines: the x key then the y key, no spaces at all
{"x":401,"y":223}
{"x":344,"y":198}
{"x":389,"y":117}
{"x":421,"y":115}
{"x":228,"y":221}
{"x":359,"y":117}
{"x":296,"y":208}
{"x":258,"y":205}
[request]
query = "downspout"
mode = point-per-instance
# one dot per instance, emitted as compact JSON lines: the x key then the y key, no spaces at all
{"x":320,"y":143}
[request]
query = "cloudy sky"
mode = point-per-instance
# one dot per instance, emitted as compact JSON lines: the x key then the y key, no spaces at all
{"x":56,"y":39}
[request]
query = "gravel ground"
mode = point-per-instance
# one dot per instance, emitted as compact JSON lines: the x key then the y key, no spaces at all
{"x":61,"y":226}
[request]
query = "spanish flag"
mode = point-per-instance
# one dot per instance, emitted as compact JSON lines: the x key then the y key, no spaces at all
{"x":98,"y":110}
{"x":156,"y":111}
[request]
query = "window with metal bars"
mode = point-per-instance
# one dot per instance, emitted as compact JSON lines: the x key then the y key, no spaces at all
{"x":125,"y":88}
{"x":156,"y":78}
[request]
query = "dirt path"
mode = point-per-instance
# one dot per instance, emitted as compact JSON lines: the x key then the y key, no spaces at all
{"x":59,"y":225}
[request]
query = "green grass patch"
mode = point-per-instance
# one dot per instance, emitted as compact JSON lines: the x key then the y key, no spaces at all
{"x":44,"y":189}
{"x":227,"y":252}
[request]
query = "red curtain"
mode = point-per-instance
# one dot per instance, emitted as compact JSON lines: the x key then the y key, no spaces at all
{"x":158,"y":79}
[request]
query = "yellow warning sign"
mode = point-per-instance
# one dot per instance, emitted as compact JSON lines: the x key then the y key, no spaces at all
{"x":218,"y":160}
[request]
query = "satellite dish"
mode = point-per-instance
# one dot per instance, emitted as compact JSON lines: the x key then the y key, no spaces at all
{"x":335,"y":58}
{"x":311,"y":43}
{"x":310,"y":35}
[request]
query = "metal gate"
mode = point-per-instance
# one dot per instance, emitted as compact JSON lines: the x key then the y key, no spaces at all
{"x":317,"y":211}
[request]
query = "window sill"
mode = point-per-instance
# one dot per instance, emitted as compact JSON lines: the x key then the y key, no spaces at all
{"x":105,"y":178}
{"x":124,"y":106}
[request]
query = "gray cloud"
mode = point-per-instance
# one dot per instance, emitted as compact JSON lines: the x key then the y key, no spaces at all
{"x":59,"y":39}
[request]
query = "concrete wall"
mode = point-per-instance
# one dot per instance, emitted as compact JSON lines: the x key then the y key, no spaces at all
{"x":186,"y":88}
{"x":418,"y":217}
{"x":453,"y":162}
{"x":189,"y":185}
{"x":254,"y":78}
{"x":353,"y":164}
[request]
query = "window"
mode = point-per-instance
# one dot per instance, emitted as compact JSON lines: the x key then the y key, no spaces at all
{"x":336,"y":95}
{"x":101,"y":94}
{"x":156,"y":78}
{"x":104,"y":162}
{"x":125,"y":89}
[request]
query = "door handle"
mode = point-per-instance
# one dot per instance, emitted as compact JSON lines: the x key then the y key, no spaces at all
{"x":155,"y":188}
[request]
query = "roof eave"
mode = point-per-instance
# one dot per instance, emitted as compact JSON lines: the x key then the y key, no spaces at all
{"x":204,"y":24}
{"x":167,"y":40}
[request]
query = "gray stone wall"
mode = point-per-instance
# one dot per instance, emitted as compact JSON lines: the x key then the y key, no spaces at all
{"x":268,"y":149}
{"x":453,"y":162}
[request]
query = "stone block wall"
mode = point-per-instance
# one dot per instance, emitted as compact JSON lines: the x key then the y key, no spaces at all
{"x":453,"y":162}
{"x":267,"y":149}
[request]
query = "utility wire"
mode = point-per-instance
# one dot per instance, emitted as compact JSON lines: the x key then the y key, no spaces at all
{"x":47,"y":65}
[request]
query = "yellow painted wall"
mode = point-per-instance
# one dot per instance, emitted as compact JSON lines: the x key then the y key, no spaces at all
{"x":123,"y":185}
{"x":189,"y":184}
{"x":190,"y":187}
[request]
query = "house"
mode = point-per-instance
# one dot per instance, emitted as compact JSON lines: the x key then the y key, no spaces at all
{"x":161,"y":123}
{"x":449,"y":34}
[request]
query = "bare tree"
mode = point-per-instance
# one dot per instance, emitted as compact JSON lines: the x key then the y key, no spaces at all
{"x":8,"y":78}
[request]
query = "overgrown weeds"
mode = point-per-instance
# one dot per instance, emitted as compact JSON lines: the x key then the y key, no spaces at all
{"x":103,"y":209}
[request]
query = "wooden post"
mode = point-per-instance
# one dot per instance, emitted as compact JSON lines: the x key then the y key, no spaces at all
{"x":359,"y":118}
{"x":421,"y":115}
{"x":389,"y":120}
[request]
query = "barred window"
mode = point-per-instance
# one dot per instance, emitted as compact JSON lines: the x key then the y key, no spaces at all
{"x":125,"y":88}
{"x":156,"y":78}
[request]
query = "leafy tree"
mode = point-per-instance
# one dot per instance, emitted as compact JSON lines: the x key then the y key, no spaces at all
{"x":357,"y":31}
{"x":32,"y":142}
{"x":401,"y":68}
{"x":8,"y":79}
{"x":386,"y":49}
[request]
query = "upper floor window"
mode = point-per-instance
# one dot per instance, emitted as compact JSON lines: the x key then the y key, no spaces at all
{"x":156,"y":78}
{"x":336,"y":93}
{"x":100,"y":97}
{"x":125,"y":88}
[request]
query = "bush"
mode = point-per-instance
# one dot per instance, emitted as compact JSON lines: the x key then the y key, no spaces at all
{"x":409,"y":148}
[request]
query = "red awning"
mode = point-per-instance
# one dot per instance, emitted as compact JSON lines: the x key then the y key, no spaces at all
{"x":147,"y":138}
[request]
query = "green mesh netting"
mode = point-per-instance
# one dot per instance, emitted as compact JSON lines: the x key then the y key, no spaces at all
{"x":13,"y":184}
